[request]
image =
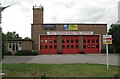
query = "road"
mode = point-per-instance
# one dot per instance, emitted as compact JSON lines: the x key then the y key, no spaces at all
{"x":64,"y":59}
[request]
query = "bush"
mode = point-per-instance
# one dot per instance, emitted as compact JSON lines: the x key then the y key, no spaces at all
{"x":103,"y":51}
{"x":8,"y":53}
{"x":27,"y":52}
{"x":82,"y":52}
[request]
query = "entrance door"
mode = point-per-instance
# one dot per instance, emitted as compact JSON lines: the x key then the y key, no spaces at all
{"x":70,"y":44}
{"x":95,"y":44}
{"x":87,"y":44}
{"x":52,"y":45}
{"x":91,"y":44}
{"x":44,"y":44}
{"x":48,"y":44}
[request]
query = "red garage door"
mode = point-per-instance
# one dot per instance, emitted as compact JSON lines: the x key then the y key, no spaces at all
{"x":44,"y":44}
{"x":70,"y":44}
{"x":91,"y":44}
{"x":48,"y":44}
{"x":52,"y":45}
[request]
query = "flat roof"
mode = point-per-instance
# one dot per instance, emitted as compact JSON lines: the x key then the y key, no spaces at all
{"x":74,"y":23}
{"x":19,"y":40}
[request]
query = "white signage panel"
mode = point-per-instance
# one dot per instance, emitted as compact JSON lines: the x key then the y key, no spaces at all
{"x":69,"y":33}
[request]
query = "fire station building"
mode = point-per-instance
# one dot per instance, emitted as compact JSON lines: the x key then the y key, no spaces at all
{"x":66,"y":38}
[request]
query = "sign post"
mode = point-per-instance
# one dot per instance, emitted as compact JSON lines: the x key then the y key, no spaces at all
{"x":107,"y":39}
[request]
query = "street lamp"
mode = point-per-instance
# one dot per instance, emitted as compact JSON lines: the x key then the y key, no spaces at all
{"x":1,"y":9}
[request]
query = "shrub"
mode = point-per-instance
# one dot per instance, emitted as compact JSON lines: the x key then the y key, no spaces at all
{"x":82,"y":52}
{"x":27,"y":52}
{"x":103,"y":51}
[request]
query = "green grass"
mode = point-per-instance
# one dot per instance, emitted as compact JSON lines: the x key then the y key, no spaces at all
{"x":58,"y":70}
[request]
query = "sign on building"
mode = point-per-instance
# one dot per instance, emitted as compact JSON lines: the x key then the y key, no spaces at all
{"x":49,"y":26}
{"x":69,"y":33}
{"x":71,"y":27}
{"x":107,"y":39}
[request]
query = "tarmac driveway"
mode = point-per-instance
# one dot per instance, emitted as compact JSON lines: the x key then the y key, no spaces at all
{"x":59,"y":59}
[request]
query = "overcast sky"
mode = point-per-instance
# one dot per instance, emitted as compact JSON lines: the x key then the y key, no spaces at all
{"x":19,"y":16}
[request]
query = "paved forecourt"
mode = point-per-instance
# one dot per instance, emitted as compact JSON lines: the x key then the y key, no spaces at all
{"x":64,"y":59}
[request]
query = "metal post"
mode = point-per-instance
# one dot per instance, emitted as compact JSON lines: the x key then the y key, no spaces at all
{"x":0,"y":44}
{"x":107,"y":56}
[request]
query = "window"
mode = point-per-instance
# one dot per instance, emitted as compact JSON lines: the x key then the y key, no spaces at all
{"x":72,"y":46}
{"x":41,"y":41}
{"x":63,"y":41}
{"x":92,"y":40}
{"x":67,"y":46}
{"x":76,"y":41}
{"x":41,"y":47}
{"x":67,"y":41}
{"x":97,"y":41}
{"x":84,"y":46}
{"x":9,"y":45}
{"x":93,"y":46}
{"x":84,"y":41}
{"x":55,"y":41}
{"x":55,"y":46}
{"x":50,"y":46}
{"x":77,"y":47}
{"x":46,"y":46}
{"x":19,"y":42}
{"x":72,"y":41}
{"x":97,"y":46}
{"x":50,"y":41}
{"x":88,"y":45}
{"x":45,"y":41}
{"x":63,"y":46}
{"x":88,"y":40}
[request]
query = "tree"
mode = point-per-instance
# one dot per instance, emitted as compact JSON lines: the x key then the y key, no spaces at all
{"x":12,"y":35}
{"x":115,"y":32}
{"x":4,"y":43}
{"x":8,"y":36}
{"x":27,"y":38}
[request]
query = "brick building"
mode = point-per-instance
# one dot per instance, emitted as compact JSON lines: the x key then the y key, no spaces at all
{"x":70,"y":38}
{"x":19,"y":44}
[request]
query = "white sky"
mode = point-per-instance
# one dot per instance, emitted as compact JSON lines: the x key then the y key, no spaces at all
{"x":19,"y":16}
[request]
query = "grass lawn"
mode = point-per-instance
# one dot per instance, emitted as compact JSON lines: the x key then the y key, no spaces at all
{"x":58,"y":70}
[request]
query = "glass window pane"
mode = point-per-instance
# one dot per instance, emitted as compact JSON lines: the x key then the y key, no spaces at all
{"x":93,"y":46}
{"x":50,"y":46}
{"x":97,"y":46}
{"x":67,"y":46}
{"x":45,"y":41}
{"x":63,"y":46}
{"x":41,"y":41}
{"x":88,"y":45}
{"x":77,"y":47}
{"x":72,"y":41}
{"x":50,"y":41}
{"x":88,"y":40}
{"x":84,"y":46}
{"x":84,"y":41}
{"x":46,"y":46}
{"x":55,"y":41}
{"x":97,"y":41}
{"x":55,"y":46}
{"x":67,"y":41}
{"x":92,"y":40}
{"x":63,"y":41}
{"x":41,"y":47}
{"x":76,"y":41}
{"x":72,"y":46}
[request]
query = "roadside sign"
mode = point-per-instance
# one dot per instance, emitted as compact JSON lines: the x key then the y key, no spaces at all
{"x":107,"y":39}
